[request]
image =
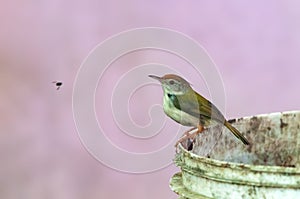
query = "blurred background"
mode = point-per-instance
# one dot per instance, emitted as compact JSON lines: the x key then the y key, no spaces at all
{"x":255,"y":45}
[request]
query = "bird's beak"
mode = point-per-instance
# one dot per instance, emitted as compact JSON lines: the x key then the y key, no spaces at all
{"x":155,"y":77}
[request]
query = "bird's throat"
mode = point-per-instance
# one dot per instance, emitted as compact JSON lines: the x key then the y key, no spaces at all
{"x":172,"y":98}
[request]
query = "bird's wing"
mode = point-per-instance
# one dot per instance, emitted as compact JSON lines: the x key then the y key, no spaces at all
{"x":197,"y":106}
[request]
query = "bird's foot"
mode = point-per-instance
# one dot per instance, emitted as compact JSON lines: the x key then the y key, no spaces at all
{"x":190,"y":136}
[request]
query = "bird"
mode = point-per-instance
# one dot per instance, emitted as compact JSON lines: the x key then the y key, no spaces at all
{"x":188,"y":108}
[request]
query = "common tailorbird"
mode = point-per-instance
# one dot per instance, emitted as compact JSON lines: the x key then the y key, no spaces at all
{"x":187,"y":107}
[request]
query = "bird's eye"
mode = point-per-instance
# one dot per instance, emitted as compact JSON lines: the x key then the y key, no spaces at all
{"x":171,"y":82}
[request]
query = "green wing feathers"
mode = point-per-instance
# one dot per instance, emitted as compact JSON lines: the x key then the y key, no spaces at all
{"x":197,"y":105}
{"x":194,"y":104}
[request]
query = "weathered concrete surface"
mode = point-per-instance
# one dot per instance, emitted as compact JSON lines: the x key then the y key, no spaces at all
{"x":220,"y":166}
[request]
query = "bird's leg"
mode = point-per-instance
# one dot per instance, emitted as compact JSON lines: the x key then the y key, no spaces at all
{"x":200,"y":129}
{"x":187,"y":133}
{"x":192,"y":136}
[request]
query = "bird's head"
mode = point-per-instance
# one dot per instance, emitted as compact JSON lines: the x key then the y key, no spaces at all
{"x":173,"y":84}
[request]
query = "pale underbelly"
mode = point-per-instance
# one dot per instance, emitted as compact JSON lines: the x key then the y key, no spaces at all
{"x":180,"y":116}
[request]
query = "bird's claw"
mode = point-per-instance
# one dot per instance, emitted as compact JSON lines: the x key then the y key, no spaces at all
{"x":190,"y":136}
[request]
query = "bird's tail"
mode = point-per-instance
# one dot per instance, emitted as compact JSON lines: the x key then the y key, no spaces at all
{"x":236,"y":133}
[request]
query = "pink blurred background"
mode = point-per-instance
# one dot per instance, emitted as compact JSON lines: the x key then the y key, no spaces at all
{"x":255,"y":45}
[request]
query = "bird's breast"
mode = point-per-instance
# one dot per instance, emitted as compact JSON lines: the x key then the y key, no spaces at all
{"x":176,"y":114}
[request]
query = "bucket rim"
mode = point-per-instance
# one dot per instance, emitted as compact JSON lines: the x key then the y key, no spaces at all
{"x":234,"y":165}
